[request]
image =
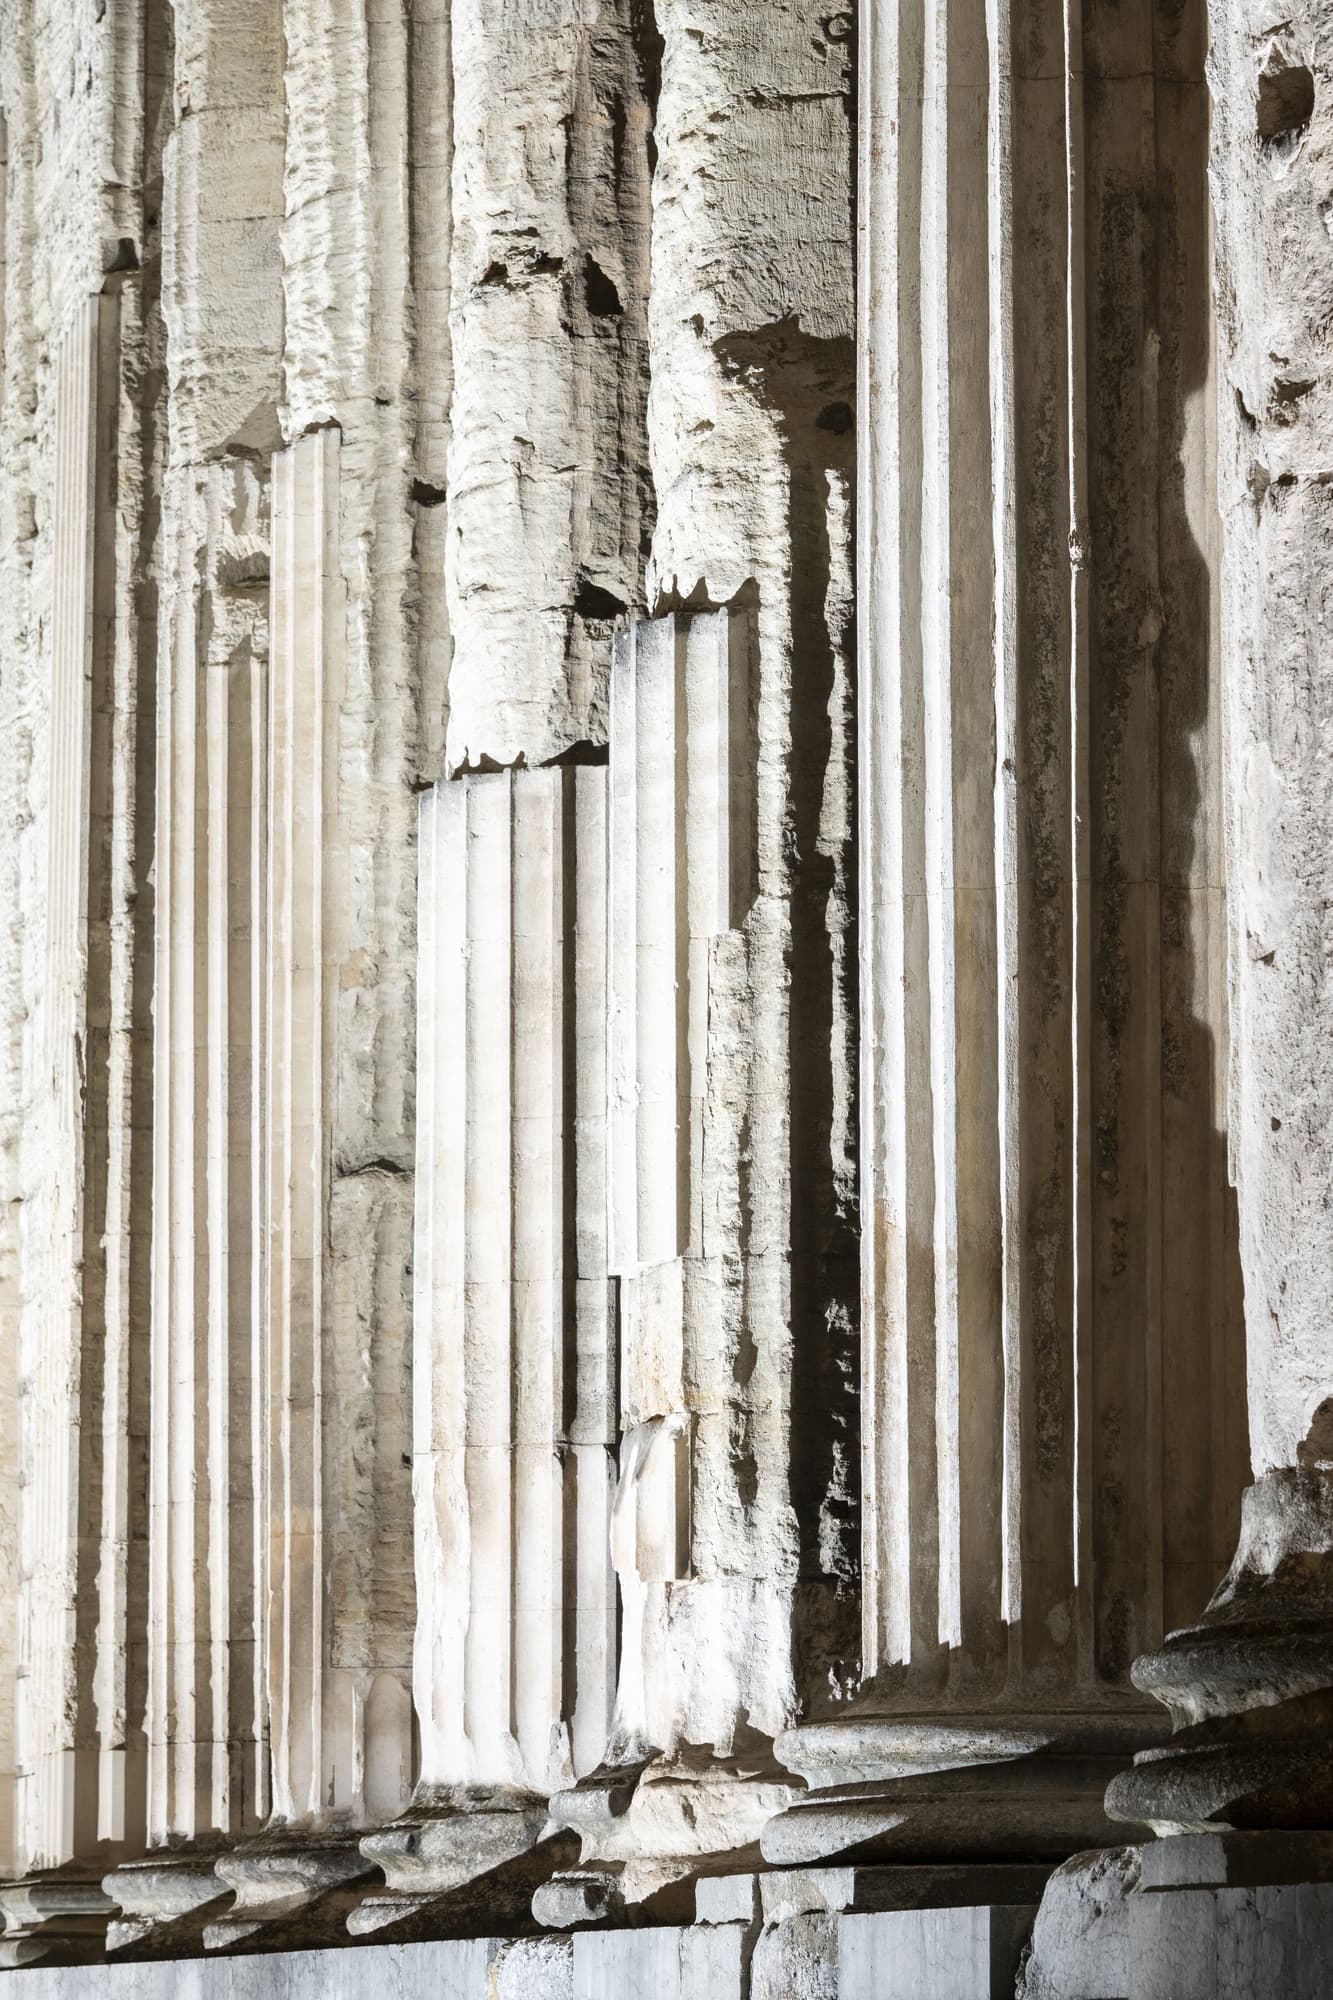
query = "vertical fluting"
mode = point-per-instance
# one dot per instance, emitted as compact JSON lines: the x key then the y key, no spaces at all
{"x":77,"y":634}
{"x":515,"y":1422}
{"x":1248,"y":1683}
{"x":750,"y":449}
{"x":206,"y":1731}
{"x":221,"y":302}
{"x":1039,"y":1014}
{"x":12,"y":213}
{"x":59,"y":1611}
{"x":302,"y":925}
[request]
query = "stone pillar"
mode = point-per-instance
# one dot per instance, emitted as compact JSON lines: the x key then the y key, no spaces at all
{"x":76,"y":1770}
{"x":334,"y":1588}
{"x":540,"y":502}
{"x":1250,"y":1685}
{"x":514,"y":1335}
{"x":1040,"y":928}
{"x":733,"y":1021}
{"x":344,"y":752}
{"x":698,"y":1643}
{"x":222,"y":307}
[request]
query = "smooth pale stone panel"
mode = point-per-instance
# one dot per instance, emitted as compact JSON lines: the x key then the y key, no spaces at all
{"x":515,"y":1410}
{"x":950,"y":1954}
{"x":663,"y":1964}
{"x":472,"y":1969}
{"x":681,"y":874}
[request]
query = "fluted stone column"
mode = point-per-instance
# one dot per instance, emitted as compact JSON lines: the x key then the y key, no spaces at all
{"x":207,"y":1756}
{"x":1045,"y":1251}
{"x":1250,"y":1686}
{"x":733,"y":1018}
{"x":532,"y":483}
{"x":344,"y":753}
{"x":78,"y":1798}
{"x":514,"y":1333}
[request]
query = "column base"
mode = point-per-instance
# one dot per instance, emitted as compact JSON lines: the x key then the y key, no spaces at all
{"x":289,"y":1890}
{"x":59,"y":1916}
{"x":1250,"y":1688}
{"x":648,"y":1832}
{"x":1189,"y":1918}
{"x":160,"y":1901}
{"x":965,"y":1789}
{"x":459,"y":1854}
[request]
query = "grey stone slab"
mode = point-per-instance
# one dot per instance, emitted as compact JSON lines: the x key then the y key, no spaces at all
{"x":945,"y":1954}
{"x":1266,"y":1943}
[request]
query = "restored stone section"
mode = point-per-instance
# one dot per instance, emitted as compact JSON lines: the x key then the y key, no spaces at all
{"x":681,"y":887}
{"x":549,"y":496}
{"x":514,"y":1326}
{"x":1040,"y":929}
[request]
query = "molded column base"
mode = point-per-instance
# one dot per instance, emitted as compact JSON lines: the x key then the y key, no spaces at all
{"x":963,"y":1788}
{"x":60,"y":1915}
{"x":459,"y":1854}
{"x":289,"y":1890}
{"x":161,"y":1899}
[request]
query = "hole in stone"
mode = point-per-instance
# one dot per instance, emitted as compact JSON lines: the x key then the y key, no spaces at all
{"x":427,"y":495}
{"x":591,"y":601}
{"x":836,"y":417}
{"x":602,"y":296}
{"x":1286,"y":102}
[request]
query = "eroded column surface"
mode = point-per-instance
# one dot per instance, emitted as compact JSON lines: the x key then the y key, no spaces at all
{"x":339,"y":946}
{"x":80,"y":1165}
{"x":549,"y":499}
{"x":76,"y":640}
{"x":514,"y":1333}
{"x":1049,"y":1357}
{"x":1248,"y":1687}
{"x":732,"y":1020}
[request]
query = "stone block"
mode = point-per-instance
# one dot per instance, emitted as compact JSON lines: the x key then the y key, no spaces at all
{"x":959,"y":1954}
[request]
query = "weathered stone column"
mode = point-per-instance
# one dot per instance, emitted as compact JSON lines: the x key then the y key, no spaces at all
{"x":1044,"y":1239}
{"x":73,"y":985}
{"x":541,"y":504}
{"x":222,"y":306}
{"x":732,"y":1018}
{"x":1250,"y":1686}
{"x":549,"y":506}
{"x":78,"y":733}
{"x":340,"y":812}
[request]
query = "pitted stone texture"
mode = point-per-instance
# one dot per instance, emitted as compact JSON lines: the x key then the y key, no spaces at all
{"x":1080,"y":1940}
